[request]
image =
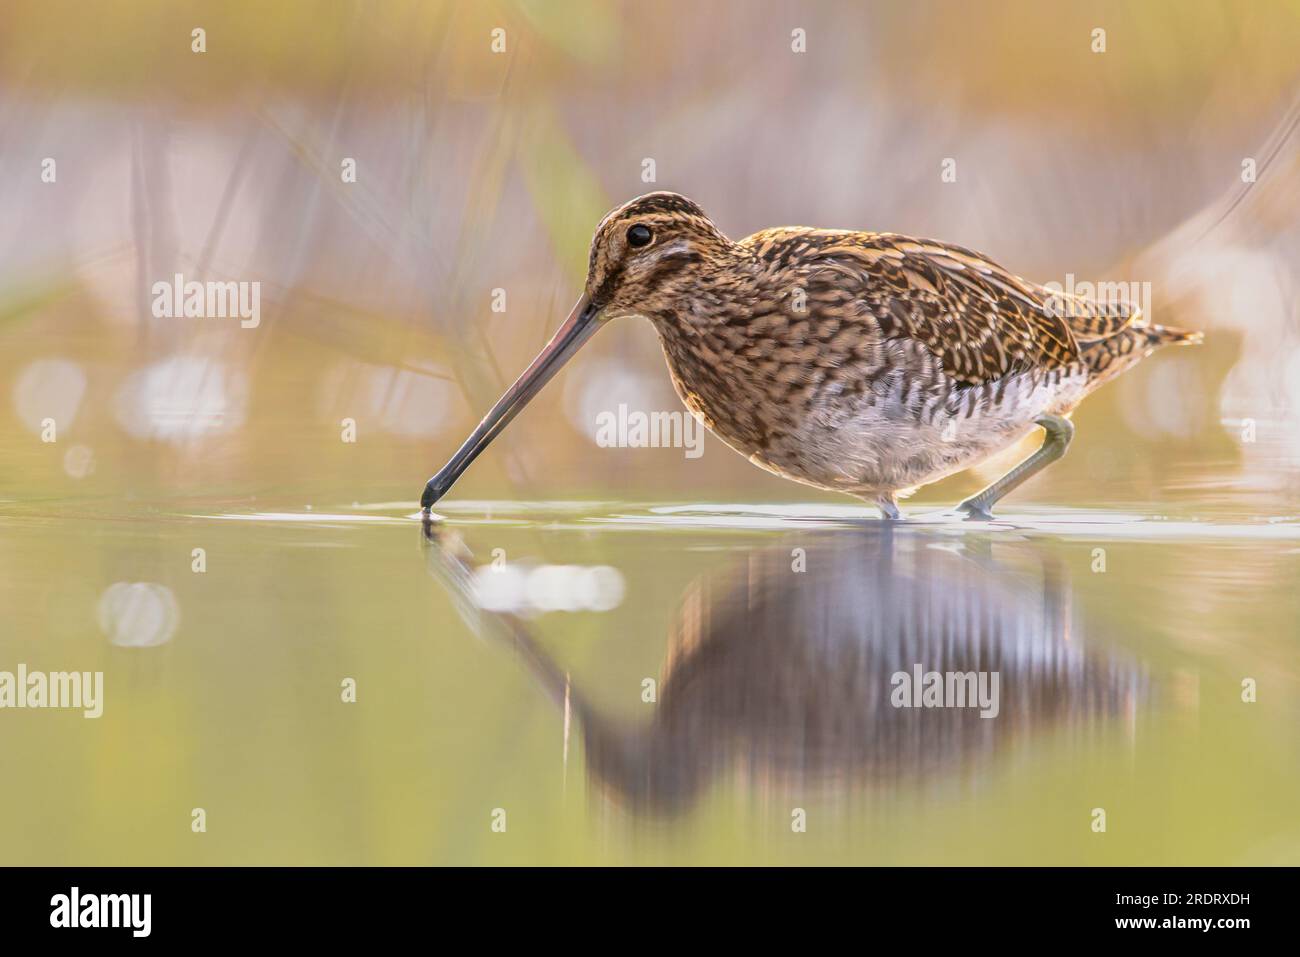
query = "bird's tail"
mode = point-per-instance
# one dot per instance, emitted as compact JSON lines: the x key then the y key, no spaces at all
{"x":1167,"y":336}
{"x":1107,"y":358}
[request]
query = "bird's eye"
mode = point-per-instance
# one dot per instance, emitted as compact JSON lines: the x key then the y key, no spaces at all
{"x":639,"y":235}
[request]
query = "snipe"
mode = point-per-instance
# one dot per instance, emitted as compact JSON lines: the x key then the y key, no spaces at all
{"x":864,"y":363}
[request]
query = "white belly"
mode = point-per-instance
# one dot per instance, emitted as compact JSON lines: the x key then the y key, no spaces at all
{"x":884,"y":443}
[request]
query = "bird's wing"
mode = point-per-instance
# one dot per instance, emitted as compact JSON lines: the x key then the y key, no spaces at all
{"x":982,"y":322}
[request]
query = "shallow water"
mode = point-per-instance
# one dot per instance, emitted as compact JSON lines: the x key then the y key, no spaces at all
{"x":769,"y":635}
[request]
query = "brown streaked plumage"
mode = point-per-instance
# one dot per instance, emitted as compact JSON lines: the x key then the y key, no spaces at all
{"x":865,"y":363}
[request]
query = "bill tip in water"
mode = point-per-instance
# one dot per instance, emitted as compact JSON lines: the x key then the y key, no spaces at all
{"x":431,"y":526}
{"x":431,"y":493}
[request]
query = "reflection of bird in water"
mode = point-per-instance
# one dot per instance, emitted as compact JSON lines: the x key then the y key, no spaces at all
{"x":785,"y":677}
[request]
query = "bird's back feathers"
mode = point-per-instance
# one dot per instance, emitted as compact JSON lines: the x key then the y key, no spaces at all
{"x":981,"y":321}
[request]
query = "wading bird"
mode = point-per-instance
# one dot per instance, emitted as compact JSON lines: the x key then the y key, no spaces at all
{"x":864,"y":363}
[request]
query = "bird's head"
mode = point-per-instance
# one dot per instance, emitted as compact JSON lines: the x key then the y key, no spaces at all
{"x":644,"y":256}
{"x":646,"y":253}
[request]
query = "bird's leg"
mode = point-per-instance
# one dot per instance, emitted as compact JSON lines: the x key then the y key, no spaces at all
{"x":888,"y":507}
{"x":1059,"y":433}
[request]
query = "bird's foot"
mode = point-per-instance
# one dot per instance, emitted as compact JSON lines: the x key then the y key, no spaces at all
{"x":974,"y":511}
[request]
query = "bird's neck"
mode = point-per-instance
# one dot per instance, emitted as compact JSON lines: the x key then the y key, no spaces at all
{"x":723,"y":289}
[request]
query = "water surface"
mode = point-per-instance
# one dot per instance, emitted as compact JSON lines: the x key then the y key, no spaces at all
{"x":503,"y":659}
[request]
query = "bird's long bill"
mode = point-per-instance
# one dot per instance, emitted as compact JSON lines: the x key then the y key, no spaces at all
{"x":576,"y":330}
